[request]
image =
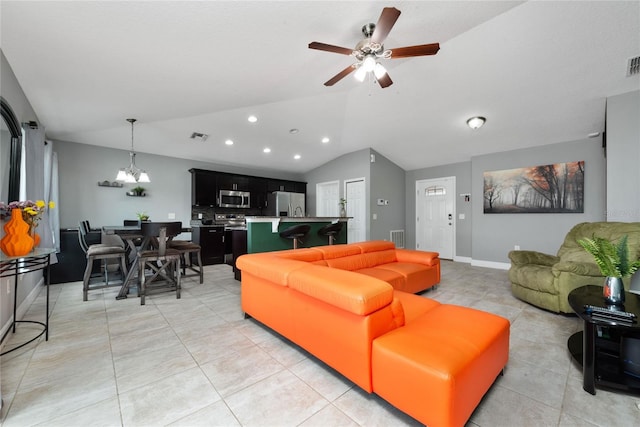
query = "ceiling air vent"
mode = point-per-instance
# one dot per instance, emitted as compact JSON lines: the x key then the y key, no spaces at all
{"x":633,"y":67}
{"x":199,"y":136}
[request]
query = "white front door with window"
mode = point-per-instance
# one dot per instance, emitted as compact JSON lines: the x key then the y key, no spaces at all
{"x":435,"y":216}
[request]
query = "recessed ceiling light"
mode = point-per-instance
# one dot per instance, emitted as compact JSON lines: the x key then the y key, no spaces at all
{"x":252,"y":119}
{"x":325,"y":140}
{"x":266,"y":150}
{"x":476,"y":122}
{"x":228,"y":142}
{"x":297,"y":157}
{"x":294,"y":130}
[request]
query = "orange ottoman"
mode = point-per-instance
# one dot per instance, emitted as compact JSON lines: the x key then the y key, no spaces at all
{"x":438,"y":367}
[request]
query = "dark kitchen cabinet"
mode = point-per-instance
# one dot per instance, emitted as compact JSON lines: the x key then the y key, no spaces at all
{"x":229,"y":181}
{"x":239,"y":247}
{"x":211,"y":241}
{"x":71,"y":258}
{"x":258,"y":189}
{"x":283,"y":185}
{"x":203,"y":188}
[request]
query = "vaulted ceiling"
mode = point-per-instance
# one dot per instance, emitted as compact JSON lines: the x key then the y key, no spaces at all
{"x":540,"y":72}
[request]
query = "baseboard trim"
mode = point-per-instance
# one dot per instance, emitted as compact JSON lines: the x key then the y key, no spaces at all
{"x":464,"y":259}
{"x":491,"y":264}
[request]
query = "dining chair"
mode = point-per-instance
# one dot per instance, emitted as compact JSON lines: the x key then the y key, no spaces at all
{"x":188,"y":251}
{"x":162,"y":261}
{"x":103,"y":253}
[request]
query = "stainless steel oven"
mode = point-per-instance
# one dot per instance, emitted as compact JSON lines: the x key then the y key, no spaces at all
{"x":234,"y":199}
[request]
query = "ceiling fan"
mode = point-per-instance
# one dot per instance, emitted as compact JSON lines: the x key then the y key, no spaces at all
{"x":370,"y":49}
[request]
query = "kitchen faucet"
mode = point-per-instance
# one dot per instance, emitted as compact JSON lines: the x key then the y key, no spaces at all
{"x":295,"y":212}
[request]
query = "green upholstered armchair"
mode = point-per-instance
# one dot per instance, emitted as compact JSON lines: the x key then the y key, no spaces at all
{"x":546,"y":280}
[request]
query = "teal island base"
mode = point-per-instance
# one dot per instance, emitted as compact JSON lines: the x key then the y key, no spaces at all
{"x":263,"y":233}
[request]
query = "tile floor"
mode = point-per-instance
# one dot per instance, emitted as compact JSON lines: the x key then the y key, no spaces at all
{"x":196,"y":361}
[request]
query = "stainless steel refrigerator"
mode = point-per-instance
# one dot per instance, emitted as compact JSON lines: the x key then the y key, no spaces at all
{"x":284,"y":203}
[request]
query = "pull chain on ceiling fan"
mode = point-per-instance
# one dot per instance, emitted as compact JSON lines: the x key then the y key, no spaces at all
{"x":371,"y":48}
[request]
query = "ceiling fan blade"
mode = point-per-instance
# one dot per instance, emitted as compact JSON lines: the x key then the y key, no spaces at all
{"x":419,"y":50}
{"x":330,"y":48}
{"x":342,"y":74}
{"x":387,"y":20}
{"x":385,"y":81}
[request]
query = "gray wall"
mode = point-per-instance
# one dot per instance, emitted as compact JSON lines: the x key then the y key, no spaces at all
{"x":352,"y":165}
{"x":494,"y":235}
{"x":623,"y":151}
{"x":387,"y":182}
{"x":82,"y":166}
{"x":462,"y":173}
{"x":12,"y":92}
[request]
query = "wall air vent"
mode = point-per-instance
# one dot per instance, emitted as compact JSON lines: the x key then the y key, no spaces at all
{"x":633,"y":66}
{"x":199,"y":136}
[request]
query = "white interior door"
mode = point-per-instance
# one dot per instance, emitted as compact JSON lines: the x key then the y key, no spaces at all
{"x":435,"y":216}
{"x":328,"y":198}
{"x":355,"y":193}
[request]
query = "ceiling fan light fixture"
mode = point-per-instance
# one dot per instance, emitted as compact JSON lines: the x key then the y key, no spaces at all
{"x":369,"y":63}
{"x":360,"y":74}
{"x":476,"y":122}
{"x":379,"y":70}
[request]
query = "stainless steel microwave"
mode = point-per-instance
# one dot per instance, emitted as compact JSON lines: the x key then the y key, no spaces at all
{"x":234,"y":199}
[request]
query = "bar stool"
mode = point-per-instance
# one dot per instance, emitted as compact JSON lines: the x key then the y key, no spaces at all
{"x":163,"y":262}
{"x":188,"y":249}
{"x":331,"y":231}
{"x":103,"y":253}
{"x":296,"y":233}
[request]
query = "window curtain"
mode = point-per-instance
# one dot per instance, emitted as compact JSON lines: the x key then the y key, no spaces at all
{"x":37,"y":182}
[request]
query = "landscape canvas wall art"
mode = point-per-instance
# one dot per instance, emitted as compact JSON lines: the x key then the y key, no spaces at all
{"x":556,"y":188}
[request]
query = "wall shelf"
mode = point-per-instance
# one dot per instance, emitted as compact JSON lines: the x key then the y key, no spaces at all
{"x":132,"y":194}
{"x":114,"y":184}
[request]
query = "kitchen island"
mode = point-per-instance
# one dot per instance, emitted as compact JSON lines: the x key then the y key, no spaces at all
{"x":263,"y":232}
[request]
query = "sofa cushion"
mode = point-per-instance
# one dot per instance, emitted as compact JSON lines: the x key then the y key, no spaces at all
{"x":418,"y":257}
{"x":534,"y":276}
{"x":393,"y":278}
{"x":349,"y":291}
{"x":414,"y":306}
{"x":444,"y":361}
{"x":415,"y":275}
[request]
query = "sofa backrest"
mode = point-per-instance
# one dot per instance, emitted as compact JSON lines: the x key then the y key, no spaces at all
{"x":303,"y":254}
{"x":572,"y":251}
{"x":355,"y":293}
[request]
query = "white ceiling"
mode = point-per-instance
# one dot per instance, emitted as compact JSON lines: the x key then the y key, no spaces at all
{"x":539,"y":71}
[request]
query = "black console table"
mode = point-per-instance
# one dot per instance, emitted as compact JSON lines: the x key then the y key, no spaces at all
{"x":38,"y":259}
{"x":597,"y":346}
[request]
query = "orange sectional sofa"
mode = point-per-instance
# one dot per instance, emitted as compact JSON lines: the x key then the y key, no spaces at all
{"x":433,"y":361}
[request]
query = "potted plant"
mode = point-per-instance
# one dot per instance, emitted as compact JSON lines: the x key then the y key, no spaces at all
{"x":613,"y":262}
{"x":138,"y":191}
{"x":143,"y":216}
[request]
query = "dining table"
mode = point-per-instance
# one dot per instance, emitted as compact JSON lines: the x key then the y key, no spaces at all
{"x":135,"y":241}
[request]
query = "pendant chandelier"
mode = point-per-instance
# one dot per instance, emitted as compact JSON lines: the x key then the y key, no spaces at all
{"x":132,"y":174}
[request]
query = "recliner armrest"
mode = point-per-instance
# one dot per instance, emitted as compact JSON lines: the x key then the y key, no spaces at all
{"x":579,"y":268}
{"x":532,"y":257}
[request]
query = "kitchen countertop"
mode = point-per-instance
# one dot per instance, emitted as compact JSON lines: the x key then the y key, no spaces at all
{"x":250,"y":219}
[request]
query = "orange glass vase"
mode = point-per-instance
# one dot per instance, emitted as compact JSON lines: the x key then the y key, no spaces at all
{"x":17,"y":241}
